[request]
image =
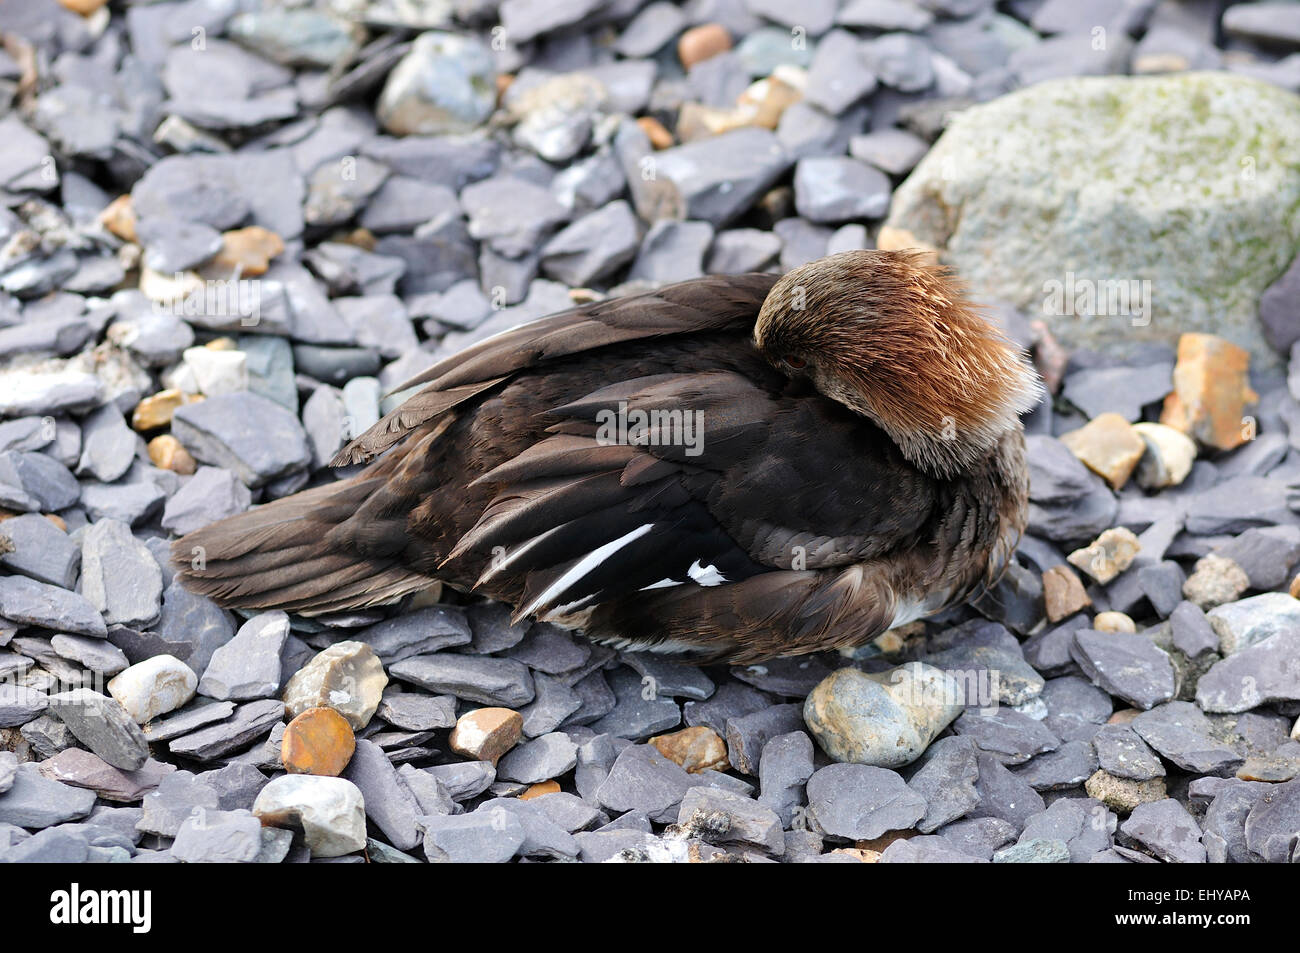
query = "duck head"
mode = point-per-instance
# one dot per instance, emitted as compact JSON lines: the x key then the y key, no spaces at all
{"x":897,"y":340}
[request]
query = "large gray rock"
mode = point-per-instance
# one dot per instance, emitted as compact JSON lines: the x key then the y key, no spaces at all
{"x":1125,"y":179}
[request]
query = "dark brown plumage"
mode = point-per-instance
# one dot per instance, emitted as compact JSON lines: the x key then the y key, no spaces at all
{"x":858,"y":463}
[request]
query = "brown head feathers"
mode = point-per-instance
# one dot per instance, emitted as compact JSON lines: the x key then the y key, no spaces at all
{"x":899,"y":341}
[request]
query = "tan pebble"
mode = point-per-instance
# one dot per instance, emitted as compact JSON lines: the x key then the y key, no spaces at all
{"x":1063,"y":593}
{"x":1211,"y":391}
{"x":696,"y":121}
{"x":1122,"y":795}
{"x":540,"y":788}
{"x":167,"y":453}
{"x":701,"y":42}
{"x":156,"y":410}
{"x":119,"y":218}
{"x":319,"y":741}
{"x":1108,"y":555}
{"x":57,"y":520}
{"x":857,"y":853}
{"x":1215,"y":580}
{"x":770,"y":98}
{"x":248,"y":250}
{"x":1123,"y":716}
{"x":485,"y":734}
{"x":1108,"y":446}
{"x":695,"y":749}
{"x":1294,"y":588}
{"x":1113,"y":622}
{"x":656,"y":132}
{"x":1168,"y":457}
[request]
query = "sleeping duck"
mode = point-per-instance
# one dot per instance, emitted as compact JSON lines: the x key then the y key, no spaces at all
{"x":730,"y":468}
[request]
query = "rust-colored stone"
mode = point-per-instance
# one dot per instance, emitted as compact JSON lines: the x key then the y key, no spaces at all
{"x":319,"y":741}
{"x":702,"y":42}
{"x":1063,"y":593}
{"x":540,"y":788}
{"x":1211,"y":392}
{"x":485,"y":734}
{"x":695,"y":749}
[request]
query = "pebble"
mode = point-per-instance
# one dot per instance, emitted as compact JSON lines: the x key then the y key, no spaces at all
{"x":347,"y":677}
{"x":482,"y":837}
{"x":696,"y":749}
{"x":749,"y":734}
{"x":329,"y":811}
{"x":737,"y":819}
{"x":103,"y":726}
{"x":1063,"y":593}
{"x":887,"y":720}
{"x":702,"y":42}
{"x":1122,"y":753}
{"x":861,"y":802}
{"x":1271,"y":824}
{"x":1108,"y":446}
{"x":1166,"y":829}
{"x":444,"y":84}
{"x":1247,"y":622}
{"x":1108,"y":555}
{"x":946,"y":779}
{"x":317,"y":741}
{"x":784,"y":770}
{"x":83,"y":769}
{"x":642,"y":779}
{"x":1183,"y":735}
{"x":1215,"y":580}
{"x":34,"y":801}
{"x":212,"y":494}
{"x":256,"y":438}
{"x":1113,"y":622}
{"x":31,"y":482}
{"x":1168,"y":457}
{"x":1129,"y":666}
{"x":39,"y":549}
{"x":838,"y":189}
{"x":486,"y":734}
{"x":1211,"y":391}
{"x":249,"y":722}
{"x":540,"y":759}
{"x":487,"y":681}
{"x":1261,"y":674}
{"x":248,"y":666}
{"x":1124,"y":795}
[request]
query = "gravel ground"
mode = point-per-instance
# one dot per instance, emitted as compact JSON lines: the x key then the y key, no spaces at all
{"x":229,"y":227}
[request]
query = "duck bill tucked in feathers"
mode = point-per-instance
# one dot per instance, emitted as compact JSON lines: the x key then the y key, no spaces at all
{"x":734,"y":467}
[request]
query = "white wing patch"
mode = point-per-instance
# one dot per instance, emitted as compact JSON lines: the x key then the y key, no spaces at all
{"x":706,"y":575}
{"x":583,"y":566}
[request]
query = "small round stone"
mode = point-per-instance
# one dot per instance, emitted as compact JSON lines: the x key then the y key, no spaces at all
{"x":696,"y":749}
{"x":887,"y":719}
{"x":540,"y":788}
{"x":319,"y":741}
{"x":330,"y":811}
{"x":702,"y":42}
{"x":153,"y":687}
{"x":1113,"y":622}
{"x":167,"y":453}
{"x":486,"y":734}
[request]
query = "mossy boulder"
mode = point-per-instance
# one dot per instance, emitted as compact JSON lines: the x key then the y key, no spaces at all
{"x":1059,"y":196}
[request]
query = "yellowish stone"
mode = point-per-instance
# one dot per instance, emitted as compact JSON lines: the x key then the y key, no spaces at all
{"x":1211,"y":392}
{"x":695,"y":749}
{"x":1108,"y":446}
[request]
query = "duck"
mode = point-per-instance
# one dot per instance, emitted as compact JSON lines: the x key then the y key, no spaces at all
{"x":732,"y":468}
